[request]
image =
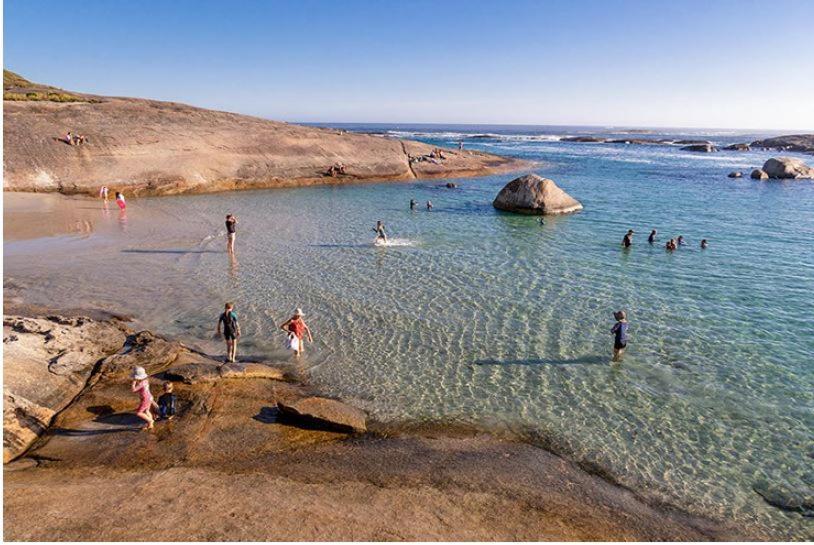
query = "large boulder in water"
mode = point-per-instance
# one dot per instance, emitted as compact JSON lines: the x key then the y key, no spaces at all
{"x":534,"y":194}
{"x":787,"y":168}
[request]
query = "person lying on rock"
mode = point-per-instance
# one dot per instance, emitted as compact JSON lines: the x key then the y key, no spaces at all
{"x":141,"y":385}
{"x":166,"y":403}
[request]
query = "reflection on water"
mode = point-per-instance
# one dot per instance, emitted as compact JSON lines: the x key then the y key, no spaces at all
{"x":494,"y":319}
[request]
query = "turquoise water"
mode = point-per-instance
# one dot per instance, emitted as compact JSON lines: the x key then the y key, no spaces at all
{"x":491,"y":319}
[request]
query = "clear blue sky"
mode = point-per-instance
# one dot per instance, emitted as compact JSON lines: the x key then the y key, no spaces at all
{"x":743,"y":64}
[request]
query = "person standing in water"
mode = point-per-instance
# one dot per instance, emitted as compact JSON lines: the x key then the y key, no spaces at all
{"x":412,"y":204}
{"x":680,"y":241}
{"x":380,"y":232}
{"x":619,"y":331}
{"x":120,"y":201}
{"x":103,"y":193}
{"x":627,"y":241}
{"x":231,"y":229}
{"x":141,"y":385}
{"x":429,"y":205}
{"x":231,"y":331}
{"x":704,"y":244}
{"x":296,"y":326}
{"x":652,"y":238}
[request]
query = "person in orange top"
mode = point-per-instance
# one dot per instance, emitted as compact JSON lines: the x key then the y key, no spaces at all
{"x":296,"y":329}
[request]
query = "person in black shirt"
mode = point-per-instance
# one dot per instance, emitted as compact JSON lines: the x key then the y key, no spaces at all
{"x":231,"y":223}
{"x":652,"y":238}
{"x":627,"y":242}
{"x":166,"y":403}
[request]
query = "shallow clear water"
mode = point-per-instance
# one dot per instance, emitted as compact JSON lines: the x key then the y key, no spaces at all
{"x":493,"y":319}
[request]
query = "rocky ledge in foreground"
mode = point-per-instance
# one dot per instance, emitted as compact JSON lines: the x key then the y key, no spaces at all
{"x":533,"y":194}
{"x":68,"y":378}
{"x":151,"y":147}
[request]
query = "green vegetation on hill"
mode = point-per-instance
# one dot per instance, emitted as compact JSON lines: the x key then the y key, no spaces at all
{"x":16,"y":87}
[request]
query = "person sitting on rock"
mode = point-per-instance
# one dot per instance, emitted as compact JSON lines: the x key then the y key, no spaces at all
{"x":141,"y":385}
{"x":69,"y":138}
{"x":166,"y":402}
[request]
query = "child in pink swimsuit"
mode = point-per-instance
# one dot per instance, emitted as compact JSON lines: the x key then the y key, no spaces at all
{"x":142,"y":385}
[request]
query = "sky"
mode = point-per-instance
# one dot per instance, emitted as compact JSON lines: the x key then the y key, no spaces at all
{"x":721,"y":64}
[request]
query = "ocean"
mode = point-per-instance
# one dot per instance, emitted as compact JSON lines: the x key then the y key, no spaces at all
{"x":495,"y":321}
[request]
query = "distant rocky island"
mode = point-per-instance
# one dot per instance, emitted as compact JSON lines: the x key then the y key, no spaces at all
{"x":803,"y":143}
{"x":153,"y":147}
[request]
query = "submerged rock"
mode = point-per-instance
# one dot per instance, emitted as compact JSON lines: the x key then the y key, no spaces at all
{"x":799,"y":501}
{"x":787,"y":168}
{"x":703,"y":148}
{"x":325,"y":412}
{"x":533,"y":194}
{"x":735,"y":174}
{"x":759,"y":174}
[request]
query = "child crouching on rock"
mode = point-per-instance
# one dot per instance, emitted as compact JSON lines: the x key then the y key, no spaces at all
{"x":166,"y":403}
{"x":141,"y":385}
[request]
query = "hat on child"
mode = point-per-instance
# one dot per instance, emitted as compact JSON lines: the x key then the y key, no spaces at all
{"x":139,"y":373}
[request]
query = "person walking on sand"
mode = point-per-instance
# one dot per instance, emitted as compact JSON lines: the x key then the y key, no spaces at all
{"x":120,"y":201}
{"x":103,"y":193}
{"x":141,"y":385}
{"x":652,"y":238}
{"x":619,"y":331}
{"x":231,"y":331}
{"x":231,"y":229}
{"x":296,"y":329}
{"x":627,"y":241}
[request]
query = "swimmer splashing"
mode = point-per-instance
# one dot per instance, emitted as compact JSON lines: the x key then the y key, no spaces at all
{"x":381,"y":235}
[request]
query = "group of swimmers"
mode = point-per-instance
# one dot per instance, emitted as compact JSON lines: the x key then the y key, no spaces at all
{"x":104,"y":193}
{"x":670,"y":246}
{"x":413,"y":204}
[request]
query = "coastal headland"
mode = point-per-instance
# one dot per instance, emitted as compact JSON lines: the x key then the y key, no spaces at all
{"x":149,"y":147}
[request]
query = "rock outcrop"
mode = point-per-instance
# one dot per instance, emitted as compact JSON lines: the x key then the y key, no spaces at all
{"x":703,"y":148}
{"x":759,"y":174}
{"x":533,"y":194}
{"x":323,"y":411}
{"x":149,"y":147}
{"x":738,"y":147}
{"x":735,"y":174}
{"x":47,"y":362}
{"x":792,"y":142}
{"x":586,"y":139}
{"x":785,"y":168}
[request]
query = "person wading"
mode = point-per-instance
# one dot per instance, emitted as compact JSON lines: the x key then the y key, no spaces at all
{"x":231,"y":331}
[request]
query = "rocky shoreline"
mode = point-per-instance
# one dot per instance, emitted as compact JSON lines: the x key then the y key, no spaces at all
{"x":255,"y":453}
{"x":148,"y":147}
